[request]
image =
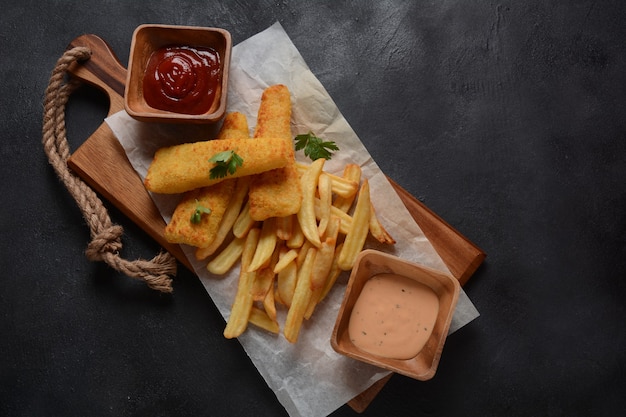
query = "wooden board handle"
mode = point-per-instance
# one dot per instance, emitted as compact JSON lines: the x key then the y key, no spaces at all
{"x":102,"y":70}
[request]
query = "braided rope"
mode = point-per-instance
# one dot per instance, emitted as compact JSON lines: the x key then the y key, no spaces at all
{"x":105,"y":236}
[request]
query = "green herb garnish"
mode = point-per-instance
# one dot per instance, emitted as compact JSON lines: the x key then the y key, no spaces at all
{"x":196,"y":217}
{"x":314,"y":147}
{"x":225,"y":163}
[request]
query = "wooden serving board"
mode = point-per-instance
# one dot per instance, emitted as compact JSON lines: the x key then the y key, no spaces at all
{"x":102,"y":163}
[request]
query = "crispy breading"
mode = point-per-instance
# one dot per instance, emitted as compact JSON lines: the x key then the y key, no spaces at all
{"x":216,"y":197}
{"x":185,"y":167}
{"x":274,"y":115}
{"x":235,"y":126}
{"x":275,"y":193}
{"x":182,"y":230}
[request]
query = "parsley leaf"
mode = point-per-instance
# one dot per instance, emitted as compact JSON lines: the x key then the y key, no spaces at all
{"x":196,"y":217}
{"x":314,"y":147}
{"x":226,"y":163}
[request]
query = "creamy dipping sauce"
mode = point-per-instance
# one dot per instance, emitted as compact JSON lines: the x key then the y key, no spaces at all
{"x":393,"y":316}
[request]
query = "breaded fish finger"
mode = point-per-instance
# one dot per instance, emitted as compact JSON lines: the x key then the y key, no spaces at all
{"x":275,"y":193}
{"x":185,"y":167}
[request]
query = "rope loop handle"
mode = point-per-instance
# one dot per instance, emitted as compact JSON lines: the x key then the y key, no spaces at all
{"x":106,"y":237}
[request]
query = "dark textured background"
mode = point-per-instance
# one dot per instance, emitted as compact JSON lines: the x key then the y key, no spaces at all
{"x":506,"y":119}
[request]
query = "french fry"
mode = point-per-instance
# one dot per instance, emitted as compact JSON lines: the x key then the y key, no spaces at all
{"x":244,"y":222}
{"x":285,"y":259}
{"x":240,"y":310}
{"x":286,"y":283}
{"x":355,"y":239}
{"x":225,"y":260}
{"x":322,"y":265}
{"x":306,"y":214}
{"x":302,"y":253}
{"x":351,"y":172}
{"x":346,"y":219}
{"x":228,"y":220}
{"x":377,"y":230}
{"x":266,"y":245}
{"x":334,"y":273}
{"x":326,"y":200}
{"x":301,"y":298}
{"x":296,"y":239}
{"x":342,"y":186}
{"x":284,"y":227}
{"x":262,"y":284}
{"x":269,"y":304}
{"x":265,"y":275}
{"x":261,"y":319}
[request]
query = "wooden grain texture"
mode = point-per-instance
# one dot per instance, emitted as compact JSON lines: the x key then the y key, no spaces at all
{"x":102,"y":163}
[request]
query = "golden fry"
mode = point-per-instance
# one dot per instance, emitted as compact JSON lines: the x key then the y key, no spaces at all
{"x":342,"y":186}
{"x":265,"y":275}
{"x":286,"y":283}
{"x":377,"y":230}
{"x":296,"y":239}
{"x":284,"y":227}
{"x":326,"y":200}
{"x":266,"y":245}
{"x":355,"y":239}
{"x":269,"y":303}
{"x":244,"y":222}
{"x":285,"y":259}
{"x":351,"y":172}
{"x":301,"y":299}
{"x":306,"y":214}
{"x":225,"y":260}
{"x":346,"y":219}
{"x":322,"y":265}
{"x":261,"y":319}
{"x":334,"y":273}
{"x":240,"y":311}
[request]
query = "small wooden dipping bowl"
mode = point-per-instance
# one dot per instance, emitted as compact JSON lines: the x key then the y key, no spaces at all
{"x":149,"y":38}
{"x":370,"y":263}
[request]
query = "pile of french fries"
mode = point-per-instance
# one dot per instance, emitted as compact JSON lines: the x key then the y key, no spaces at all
{"x":294,"y":261}
{"x":290,"y":261}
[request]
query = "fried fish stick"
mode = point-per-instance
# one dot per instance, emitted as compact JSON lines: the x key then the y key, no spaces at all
{"x":185,"y":167}
{"x":181,"y":229}
{"x":235,"y":126}
{"x":275,"y":193}
{"x":215,"y":198}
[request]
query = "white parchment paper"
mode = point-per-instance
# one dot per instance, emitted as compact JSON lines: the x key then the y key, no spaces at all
{"x":309,"y":378}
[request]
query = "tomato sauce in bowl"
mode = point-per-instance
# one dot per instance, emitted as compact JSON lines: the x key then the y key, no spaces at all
{"x":182,"y":79}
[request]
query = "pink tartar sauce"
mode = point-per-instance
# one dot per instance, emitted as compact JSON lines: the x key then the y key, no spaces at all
{"x":393,"y":316}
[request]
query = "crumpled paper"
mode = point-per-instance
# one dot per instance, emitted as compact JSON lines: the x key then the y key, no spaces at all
{"x":309,"y":378}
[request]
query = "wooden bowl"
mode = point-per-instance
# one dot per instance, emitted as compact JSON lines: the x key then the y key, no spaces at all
{"x":370,"y":263}
{"x":149,"y":38}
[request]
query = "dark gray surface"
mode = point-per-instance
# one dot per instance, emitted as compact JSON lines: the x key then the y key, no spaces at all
{"x":506,"y":119}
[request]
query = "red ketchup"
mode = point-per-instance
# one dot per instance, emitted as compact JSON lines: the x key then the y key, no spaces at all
{"x":182,"y":79}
